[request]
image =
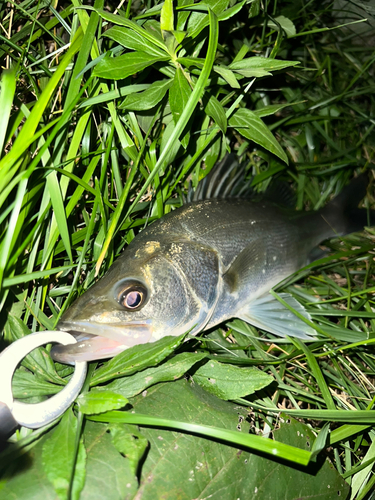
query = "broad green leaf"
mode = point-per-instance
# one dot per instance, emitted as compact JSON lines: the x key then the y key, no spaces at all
{"x":108,"y":474}
{"x":100,"y":401}
{"x":26,"y":385}
{"x":118,"y":68}
{"x":191,"y":61}
{"x":231,"y":11}
{"x":223,"y":434}
{"x":171,"y":40}
{"x":58,"y":456}
{"x":122,"y":21}
{"x":170,"y":370}
{"x":137,"y":358}
{"x":152,"y":26}
{"x":198,"y":21}
{"x":179,"y":36}
{"x":230,"y":382}
{"x":179,"y":95}
{"x":147,"y":99}
{"x":186,"y":466}
{"x":253,"y":72}
{"x":249,"y":125}
{"x":182,"y":15}
{"x":134,"y":40}
{"x":130,"y":443}
{"x":255,"y":66}
{"x":228,"y":76}
{"x":223,"y":15}
{"x":26,"y":476}
{"x":38,"y":361}
{"x":271,"y":109}
{"x":254,"y":8}
{"x":286,"y":24}
{"x":319,"y":481}
{"x":216,"y":111}
{"x":166,"y":16}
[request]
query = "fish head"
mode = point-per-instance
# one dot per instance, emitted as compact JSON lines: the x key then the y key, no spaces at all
{"x":148,"y":293}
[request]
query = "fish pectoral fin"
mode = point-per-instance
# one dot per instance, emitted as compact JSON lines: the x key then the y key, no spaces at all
{"x":250,"y":265}
{"x":269,"y":314}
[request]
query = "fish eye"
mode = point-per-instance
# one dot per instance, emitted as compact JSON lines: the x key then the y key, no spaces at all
{"x":132,"y":297}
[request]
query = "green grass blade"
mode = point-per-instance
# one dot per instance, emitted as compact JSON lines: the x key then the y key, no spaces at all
{"x":10,"y":232}
{"x":25,"y":278}
{"x":317,"y":373}
{"x":362,"y":417}
{"x":25,"y":137}
{"x":59,"y":211}
{"x":7,"y":90}
{"x":261,"y":444}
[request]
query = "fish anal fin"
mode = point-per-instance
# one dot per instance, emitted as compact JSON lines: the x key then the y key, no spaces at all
{"x":269,"y":314}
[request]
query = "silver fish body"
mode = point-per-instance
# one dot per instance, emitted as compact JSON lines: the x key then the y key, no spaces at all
{"x":199,"y":265}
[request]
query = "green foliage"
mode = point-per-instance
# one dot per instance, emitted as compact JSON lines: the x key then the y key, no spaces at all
{"x":104,"y":119}
{"x":136,"y":359}
{"x":99,"y":402}
{"x":230,"y":382}
{"x":58,"y":458}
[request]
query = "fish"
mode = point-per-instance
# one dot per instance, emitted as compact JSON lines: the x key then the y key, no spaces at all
{"x":210,"y":260}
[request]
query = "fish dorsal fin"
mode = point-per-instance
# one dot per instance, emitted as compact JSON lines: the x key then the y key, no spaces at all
{"x":269,"y":314}
{"x":280,"y":193}
{"x":225,"y":180}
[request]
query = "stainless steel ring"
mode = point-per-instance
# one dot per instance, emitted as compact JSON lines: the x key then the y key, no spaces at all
{"x":38,"y":414}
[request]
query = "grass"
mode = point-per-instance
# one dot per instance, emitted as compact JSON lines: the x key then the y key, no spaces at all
{"x":100,"y":138}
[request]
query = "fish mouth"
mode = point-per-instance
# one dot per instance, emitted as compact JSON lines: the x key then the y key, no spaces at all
{"x":99,"y":341}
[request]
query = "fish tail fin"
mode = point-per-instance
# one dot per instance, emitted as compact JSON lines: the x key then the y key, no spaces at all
{"x":343,"y":215}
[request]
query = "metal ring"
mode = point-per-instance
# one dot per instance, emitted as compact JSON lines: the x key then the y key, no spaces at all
{"x":38,"y":414}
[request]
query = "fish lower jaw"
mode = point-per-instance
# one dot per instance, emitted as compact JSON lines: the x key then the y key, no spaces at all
{"x":92,"y":348}
{"x":96,"y":341}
